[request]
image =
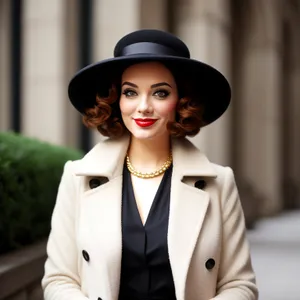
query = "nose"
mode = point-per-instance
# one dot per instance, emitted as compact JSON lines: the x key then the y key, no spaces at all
{"x":145,"y":106}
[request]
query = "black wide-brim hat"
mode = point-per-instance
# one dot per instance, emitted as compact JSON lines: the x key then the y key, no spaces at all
{"x":145,"y":46}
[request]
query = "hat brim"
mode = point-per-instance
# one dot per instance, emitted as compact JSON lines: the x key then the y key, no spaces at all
{"x":214,"y":89}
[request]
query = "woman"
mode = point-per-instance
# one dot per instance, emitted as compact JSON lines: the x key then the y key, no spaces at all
{"x":145,"y":215}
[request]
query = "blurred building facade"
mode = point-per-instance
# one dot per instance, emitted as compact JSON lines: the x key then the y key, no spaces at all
{"x":254,"y":43}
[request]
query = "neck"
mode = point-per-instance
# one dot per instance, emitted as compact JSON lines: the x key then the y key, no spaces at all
{"x":148,"y":155}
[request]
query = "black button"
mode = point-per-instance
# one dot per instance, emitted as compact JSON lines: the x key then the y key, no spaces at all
{"x":95,"y":182}
{"x":200,"y":184}
{"x":99,"y":298}
{"x":210,"y":264}
{"x":85,"y":255}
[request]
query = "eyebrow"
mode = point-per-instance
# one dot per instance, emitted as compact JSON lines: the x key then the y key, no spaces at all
{"x":152,"y":86}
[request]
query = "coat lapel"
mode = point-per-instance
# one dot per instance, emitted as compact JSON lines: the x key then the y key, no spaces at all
{"x":188,"y":208}
{"x":101,"y":235}
{"x":105,"y":159}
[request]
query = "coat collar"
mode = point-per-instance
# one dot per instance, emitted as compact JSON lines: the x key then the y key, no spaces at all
{"x":107,"y":158}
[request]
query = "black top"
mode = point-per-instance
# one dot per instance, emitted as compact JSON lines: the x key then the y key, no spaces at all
{"x":145,"y":271}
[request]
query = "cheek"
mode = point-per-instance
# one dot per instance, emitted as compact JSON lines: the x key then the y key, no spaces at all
{"x":125,"y":106}
{"x":168,"y":108}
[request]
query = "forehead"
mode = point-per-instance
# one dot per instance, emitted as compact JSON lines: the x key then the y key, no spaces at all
{"x":152,"y":71}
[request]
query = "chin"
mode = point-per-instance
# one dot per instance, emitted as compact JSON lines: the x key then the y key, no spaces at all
{"x":144,"y":135}
{"x":148,"y":134}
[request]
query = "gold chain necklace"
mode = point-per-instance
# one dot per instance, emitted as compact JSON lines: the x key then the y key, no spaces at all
{"x":161,"y":170}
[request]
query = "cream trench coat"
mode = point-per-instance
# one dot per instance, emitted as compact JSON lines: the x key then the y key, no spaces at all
{"x":208,"y":250}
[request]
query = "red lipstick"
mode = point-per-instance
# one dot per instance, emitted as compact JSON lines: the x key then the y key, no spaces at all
{"x":145,"y":122}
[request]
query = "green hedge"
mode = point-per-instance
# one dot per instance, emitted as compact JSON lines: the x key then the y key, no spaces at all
{"x":30,"y":172}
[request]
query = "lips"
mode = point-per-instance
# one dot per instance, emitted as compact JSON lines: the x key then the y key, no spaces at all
{"x":145,"y":122}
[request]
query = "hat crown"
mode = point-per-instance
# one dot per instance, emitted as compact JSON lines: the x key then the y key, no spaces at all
{"x":152,"y":42}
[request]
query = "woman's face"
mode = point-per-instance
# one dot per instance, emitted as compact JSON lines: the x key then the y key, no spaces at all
{"x":148,"y":100}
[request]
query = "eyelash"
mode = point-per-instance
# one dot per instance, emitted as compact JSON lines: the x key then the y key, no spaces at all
{"x":125,"y":92}
{"x":165,"y":92}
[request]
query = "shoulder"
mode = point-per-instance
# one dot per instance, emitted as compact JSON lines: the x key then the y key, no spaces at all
{"x":105,"y":159}
{"x":224,"y":181}
{"x":225,"y":186}
{"x":223,"y":172}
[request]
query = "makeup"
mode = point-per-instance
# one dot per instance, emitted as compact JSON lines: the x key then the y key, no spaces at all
{"x":147,"y":122}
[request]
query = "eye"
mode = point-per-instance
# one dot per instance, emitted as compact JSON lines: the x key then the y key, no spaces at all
{"x":129,"y":93}
{"x":162,"y":94}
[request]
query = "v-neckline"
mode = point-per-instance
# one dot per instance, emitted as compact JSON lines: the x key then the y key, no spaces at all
{"x":158,"y":191}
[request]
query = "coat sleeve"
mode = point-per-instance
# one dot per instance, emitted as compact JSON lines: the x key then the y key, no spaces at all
{"x":61,"y":279}
{"x":236,"y":279}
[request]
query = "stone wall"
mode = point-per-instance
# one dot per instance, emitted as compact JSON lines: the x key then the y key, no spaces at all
{"x":21,"y":273}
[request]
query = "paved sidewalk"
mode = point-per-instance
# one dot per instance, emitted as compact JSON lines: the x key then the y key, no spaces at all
{"x":275,"y":249}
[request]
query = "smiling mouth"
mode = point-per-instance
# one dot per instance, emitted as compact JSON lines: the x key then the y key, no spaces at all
{"x":145,"y":122}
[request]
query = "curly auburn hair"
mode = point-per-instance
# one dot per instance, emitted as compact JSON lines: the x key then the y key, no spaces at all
{"x":106,"y":114}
